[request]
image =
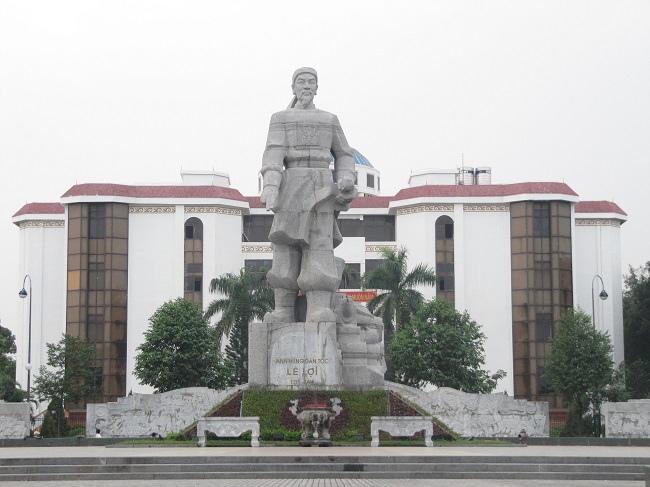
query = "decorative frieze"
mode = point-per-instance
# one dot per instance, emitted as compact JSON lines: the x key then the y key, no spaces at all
{"x":42,"y":224}
{"x":222,"y":210}
{"x":597,"y":223}
{"x":486,"y":208}
{"x":424,"y":208}
{"x":379,"y":248}
{"x":256,"y":248}
{"x":152,"y":209}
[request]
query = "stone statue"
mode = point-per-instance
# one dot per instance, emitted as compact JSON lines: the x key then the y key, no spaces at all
{"x":305,"y":196}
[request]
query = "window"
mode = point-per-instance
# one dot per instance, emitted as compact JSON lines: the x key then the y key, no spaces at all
{"x":445,"y":274}
{"x":98,"y":377}
{"x":379,"y":228}
{"x":372,"y":264}
{"x":449,"y":230}
{"x":96,"y":221}
{"x":351,"y":227}
{"x":257,"y":228}
{"x":193,"y":284}
{"x":194,"y":229}
{"x":96,"y":277}
{"x":259,"y":267}
{"x":95,"y":328}
{"x":543,"y":388}
{"x":541,"y":220}
{"x":370,"y":181}
{"x":193,"y":263}
{"x":351,"y":276}
{"x":543,"y":327}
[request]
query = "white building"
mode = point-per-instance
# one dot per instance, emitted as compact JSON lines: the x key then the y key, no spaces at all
{"x":515,"y":256}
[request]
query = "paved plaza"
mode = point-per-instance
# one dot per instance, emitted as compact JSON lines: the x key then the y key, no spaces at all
{"x":328,"y":483}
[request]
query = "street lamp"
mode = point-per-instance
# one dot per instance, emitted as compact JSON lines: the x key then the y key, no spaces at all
{"x":23,"y":294}
{"x":602,"y":295}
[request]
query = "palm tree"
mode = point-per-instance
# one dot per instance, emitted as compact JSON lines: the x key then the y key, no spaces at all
{"x":245,"y":298}
{"x":400,"y":301}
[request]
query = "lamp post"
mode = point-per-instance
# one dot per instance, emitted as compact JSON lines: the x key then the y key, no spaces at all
{"x":602,"y":295}
{"x":23,"y":294}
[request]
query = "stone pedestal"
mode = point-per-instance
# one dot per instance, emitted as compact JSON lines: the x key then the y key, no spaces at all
{"x":294,"y":355}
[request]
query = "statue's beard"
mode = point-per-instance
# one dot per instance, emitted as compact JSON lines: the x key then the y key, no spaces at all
{"x":305,"y":98}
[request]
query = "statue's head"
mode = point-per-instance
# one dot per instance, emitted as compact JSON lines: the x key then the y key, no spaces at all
{"x":304,"y":85}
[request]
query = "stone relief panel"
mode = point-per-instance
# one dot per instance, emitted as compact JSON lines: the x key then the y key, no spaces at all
{"x":480,"y":415}
{"x":14,"y":420}
{"x":142,"y":414}
{"x":627,"y":419}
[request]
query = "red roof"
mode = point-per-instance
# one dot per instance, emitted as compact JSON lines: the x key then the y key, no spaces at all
{"x":372,"y":202}
{"x":479,"y":190}
{"x":599,"y":207}
{"x":254,"y":202}
{"x":154,"y":191}
{"x":431,"y":191}
{"x":41,"y":209}
{"x":360,"y":202}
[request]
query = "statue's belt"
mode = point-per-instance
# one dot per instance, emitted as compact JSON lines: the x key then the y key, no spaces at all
{"x":309,"y":164}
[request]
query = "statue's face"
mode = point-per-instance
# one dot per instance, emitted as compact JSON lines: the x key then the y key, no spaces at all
{"x":305,"y":87}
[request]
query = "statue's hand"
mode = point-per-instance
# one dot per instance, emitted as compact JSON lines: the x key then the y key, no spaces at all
{"x":347,"y":191}
{"x":346,"y":183}
{"x":269,"y":196}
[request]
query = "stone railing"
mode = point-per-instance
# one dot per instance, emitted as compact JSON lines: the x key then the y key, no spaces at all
{"x":229,"y":427}
{"x":401,"y":426}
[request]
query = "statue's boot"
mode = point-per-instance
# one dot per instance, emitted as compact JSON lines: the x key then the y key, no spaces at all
{"x":285,"y":301}
{"x":318,"y":306}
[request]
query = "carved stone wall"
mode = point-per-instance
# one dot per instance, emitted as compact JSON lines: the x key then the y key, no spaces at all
{"x":143,"y":414}
{"x":480,"y":415}
{"x":14,"y":420}
{"x":627,"y":419}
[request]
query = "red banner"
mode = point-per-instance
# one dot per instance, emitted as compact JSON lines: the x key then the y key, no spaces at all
{"x":360,"y":296}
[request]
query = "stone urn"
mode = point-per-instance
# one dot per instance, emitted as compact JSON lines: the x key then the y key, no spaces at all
{"x":316,"y":419}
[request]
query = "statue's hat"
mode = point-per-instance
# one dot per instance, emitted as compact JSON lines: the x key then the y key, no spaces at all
{"x":304,"y":70}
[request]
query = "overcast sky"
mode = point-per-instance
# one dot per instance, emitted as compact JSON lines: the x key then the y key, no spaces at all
{"x":131,"y":91}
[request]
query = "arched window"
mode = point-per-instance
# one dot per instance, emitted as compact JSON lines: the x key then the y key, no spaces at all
{"x":194,"y":260}
{"x":445,"y":279}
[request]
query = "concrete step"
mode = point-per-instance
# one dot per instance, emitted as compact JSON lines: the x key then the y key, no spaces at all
{"x":348,"y":467}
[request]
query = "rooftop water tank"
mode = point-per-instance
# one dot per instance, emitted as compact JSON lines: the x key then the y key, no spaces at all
{"x":465,"y":176}
{"x":483,"y":175}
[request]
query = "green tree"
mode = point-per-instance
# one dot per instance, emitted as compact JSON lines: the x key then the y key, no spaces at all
{"x":443,"y":348}
{"x":180,"y":350}
{"x":245,"y":297}
{"x":636,"y":325}
{"x":581,"y":370}
{"x":9,"y":390}
{"x":400,"y":301}
{"x":71,"y":376}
